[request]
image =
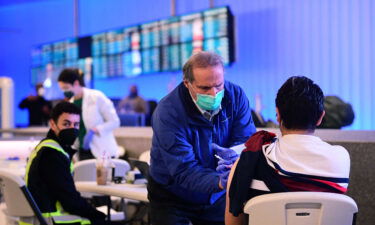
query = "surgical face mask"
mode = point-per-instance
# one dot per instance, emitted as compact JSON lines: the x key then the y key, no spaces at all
{"x":68,"y":136}
{"x":68,"y":94}
{"x":41,"y":91}
{"x":208,"y":102}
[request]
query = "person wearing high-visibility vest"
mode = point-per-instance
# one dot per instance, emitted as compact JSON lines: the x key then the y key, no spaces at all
{"x":49,"y":171}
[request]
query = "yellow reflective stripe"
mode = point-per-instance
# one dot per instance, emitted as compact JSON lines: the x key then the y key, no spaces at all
{"x":81,"y":221}
{"x":68,"y":222}
{"x":58,"y":211}
{"x":62,"y":219}
{"x":52,"y":144}
{"x":84,"y":222}
{"x":46,"y":143}
{"x":59,"y":206}
{"x":50,"y":214}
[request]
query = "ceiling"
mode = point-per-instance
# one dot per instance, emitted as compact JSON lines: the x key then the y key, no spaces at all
{"x":15,"y":2}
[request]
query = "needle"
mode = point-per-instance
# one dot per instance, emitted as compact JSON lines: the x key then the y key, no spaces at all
{"x":218,"y":157}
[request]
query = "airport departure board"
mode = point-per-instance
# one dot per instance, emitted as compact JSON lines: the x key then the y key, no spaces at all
{"x":157,"y":46}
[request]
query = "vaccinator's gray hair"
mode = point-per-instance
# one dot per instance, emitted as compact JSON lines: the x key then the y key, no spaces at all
{"x":201,"y":60}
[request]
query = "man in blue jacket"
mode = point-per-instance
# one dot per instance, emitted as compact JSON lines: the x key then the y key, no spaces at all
{"x":190,"y":124}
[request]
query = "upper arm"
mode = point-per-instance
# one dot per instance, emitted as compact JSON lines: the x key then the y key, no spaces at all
{"x":24,"y":103}
{"x":243,"y":125}
{"x":108,"y":112}
{"x":230,"y":219}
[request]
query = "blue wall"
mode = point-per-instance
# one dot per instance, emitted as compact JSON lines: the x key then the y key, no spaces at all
{"x":332,"y":42}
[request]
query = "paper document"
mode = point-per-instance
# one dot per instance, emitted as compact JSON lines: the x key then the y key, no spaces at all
{"x":238,"y":148}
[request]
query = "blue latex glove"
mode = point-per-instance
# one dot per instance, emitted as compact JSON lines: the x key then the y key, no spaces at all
{"x":227,"y":155}
{"x":226,"y":158}
{"x":224,"y":179}
{"x":223,"y":169}
{"x":223,"y":166}
{"x":87,"y":139}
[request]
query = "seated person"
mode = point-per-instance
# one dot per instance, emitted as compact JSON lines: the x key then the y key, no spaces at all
{"x":49,"y":170}
{"x":133,"y":103}
{"x":296,"y":161}
{"x":338,"y":113}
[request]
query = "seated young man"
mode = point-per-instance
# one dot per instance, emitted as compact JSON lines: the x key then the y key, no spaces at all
{"x":296,"y":161}
{"x":49,"y":170}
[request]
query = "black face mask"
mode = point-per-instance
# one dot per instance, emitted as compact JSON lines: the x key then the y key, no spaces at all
{"x":68,"y":94}
{"x":68,"y":136}
{"x":133,"y":94}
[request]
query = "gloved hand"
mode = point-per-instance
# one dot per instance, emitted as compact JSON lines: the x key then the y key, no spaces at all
{"x":223,"y":166}
{"x":87,"y":139}
{"x":227,"y":155}
{"x":224,"y":179}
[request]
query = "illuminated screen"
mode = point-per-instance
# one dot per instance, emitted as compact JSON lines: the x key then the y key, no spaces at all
{"x":157,"y":46}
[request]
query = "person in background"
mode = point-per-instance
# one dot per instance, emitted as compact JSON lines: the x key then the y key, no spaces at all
{"x":256,"y":113}
{"x":296,"y":161}
{"x":191,"y":124}
{"x":338,"y":113}
{"x":39,"y":108}
{"x":133,"y":103}
{"x":99,"y":117}
{"x":49,"y":170}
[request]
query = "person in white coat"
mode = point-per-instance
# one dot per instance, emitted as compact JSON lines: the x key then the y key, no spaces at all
{"x":99,"y":117}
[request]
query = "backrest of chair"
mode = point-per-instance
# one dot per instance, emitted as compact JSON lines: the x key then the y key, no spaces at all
{"x":142,"y":166}
{"x":15,"y":200}
{"x":121,"y":167}
{"x":86,"y":170}
{"x":307,"y":208}
{"x":145,"y":156}
{"x":18,"y":199}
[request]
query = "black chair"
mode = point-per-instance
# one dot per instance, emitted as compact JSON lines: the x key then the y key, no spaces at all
{"x":115,"y":101}
{"x":151,"y":108}
{"x":141,"y":207}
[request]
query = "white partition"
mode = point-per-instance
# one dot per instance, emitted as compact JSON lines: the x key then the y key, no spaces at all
{"x":6,"y":103}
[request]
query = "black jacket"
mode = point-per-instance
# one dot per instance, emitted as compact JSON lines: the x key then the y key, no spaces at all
{"x":39,"y":109}
{"x":50,"y":180}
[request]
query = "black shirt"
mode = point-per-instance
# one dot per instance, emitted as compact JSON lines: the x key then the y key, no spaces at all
{"x":39,"y":109}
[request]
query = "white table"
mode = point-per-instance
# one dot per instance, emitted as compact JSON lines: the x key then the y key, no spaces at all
{"x":129,"y":191}
{"x":14,"y":166}
{"x":17,"y":148}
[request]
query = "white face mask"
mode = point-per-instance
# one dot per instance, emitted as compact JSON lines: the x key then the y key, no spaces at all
{"x":41,"y":92}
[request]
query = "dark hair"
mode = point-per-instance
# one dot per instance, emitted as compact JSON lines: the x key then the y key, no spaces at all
{"x":64,"y":107}
{"x":200,"y":60}
{"x":70,"y":75}
{"x":37,"y":86}
{"x":300,"y":103}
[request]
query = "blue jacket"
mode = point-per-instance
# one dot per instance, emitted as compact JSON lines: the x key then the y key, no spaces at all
{"x":182,"y":160}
